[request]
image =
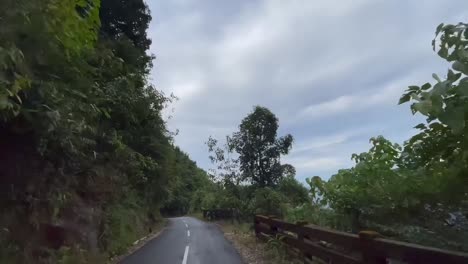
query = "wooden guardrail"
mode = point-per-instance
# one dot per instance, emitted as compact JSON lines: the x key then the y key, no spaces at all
{"x":340,"y":247}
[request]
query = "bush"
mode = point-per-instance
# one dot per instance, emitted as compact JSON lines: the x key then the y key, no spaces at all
{"x":125,"y":223}
{"x":318,"y":216}
{"x":267,"y":201}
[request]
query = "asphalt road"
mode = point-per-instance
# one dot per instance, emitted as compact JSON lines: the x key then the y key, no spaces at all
{"x":187,"y":240}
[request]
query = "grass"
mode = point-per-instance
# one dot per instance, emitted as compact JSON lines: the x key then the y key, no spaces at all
{"x":144,"y":238}
{"x":252,"y":249}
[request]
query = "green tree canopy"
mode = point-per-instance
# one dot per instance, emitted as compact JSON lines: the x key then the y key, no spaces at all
{"x":129,"y":18}
{"x":260,"y":149}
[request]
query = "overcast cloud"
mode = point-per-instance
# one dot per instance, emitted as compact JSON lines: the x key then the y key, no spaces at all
{"x":332,"y":71}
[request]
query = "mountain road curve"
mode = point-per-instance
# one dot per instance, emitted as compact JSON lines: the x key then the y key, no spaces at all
{"x":186,"y":240}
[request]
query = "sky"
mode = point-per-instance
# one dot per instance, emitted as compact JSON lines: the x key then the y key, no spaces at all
{"x":332,"y":71}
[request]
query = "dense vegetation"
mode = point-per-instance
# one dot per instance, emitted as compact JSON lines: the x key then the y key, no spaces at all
{"x":249,"y":175}
{"x":87,"y":163}
{"x":417,"y":192}
{"x":86,"y":159}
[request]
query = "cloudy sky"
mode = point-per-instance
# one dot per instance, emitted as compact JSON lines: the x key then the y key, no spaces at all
{"x":332,"y":71}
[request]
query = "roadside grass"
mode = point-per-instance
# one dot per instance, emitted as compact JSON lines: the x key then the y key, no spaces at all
{"x":139,"y":241}
{"x":252,"y":249}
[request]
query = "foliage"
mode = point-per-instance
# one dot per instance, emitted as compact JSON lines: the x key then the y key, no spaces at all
{"x":123,"y":225}
{"x":73,"y":22}
{"x":367,"y":187}
{"x":417,"y":192}
{"x":318,"y":215}
{"x":41,"y":39}
{"x":84,"y":127}
{"x":295,"y":193}
{"x":267,"y":201}
{"x":188,"y":187}
{"x":441,"y":147}
{"x":259,"y":148}
{"x":129,"y":18}
{"x":252,"y":154}
{"x":277,"y":247}
{"x":249,"y":176}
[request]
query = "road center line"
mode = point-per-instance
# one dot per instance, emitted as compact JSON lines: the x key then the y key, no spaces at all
{"x":186,"y":225}
{"x":184,"y":261}
{"x":188,"y":233}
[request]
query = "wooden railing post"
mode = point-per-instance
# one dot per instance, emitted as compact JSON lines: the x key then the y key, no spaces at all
{"x":305,"y":257}
{"x":368,"y":255}
{"x":256,"y":223}
{"x":273,"y":229}
{"x":300,"y":237}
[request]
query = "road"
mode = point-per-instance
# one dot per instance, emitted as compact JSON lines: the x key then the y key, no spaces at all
{"x":187,"y":240}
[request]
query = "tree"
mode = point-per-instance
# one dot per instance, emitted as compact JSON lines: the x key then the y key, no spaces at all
{"x":249,"y":171}
{"x":129,"y":18}
{"x":259,"y":148}
{"x":370,"y":188}
{"x":296,"y":193}
{"x":440,"y":150}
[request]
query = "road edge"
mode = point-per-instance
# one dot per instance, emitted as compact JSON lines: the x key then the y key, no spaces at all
{"x":138,"y":244}
{"x":232,"y":242}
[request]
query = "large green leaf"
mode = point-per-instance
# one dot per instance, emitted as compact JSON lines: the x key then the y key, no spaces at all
{"x":454,"y":117}
{"x":404,"y":98}
{"x":424,"y":107}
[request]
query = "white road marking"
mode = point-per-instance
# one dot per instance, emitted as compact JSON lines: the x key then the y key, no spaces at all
{"x":186,"y":225}
{"x":184,"y":261}
{"x":188,"y":233}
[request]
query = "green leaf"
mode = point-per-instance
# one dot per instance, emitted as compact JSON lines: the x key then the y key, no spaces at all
{"x":436,"y":77}
{"x":413,"y":109}
{"x":443,"y":52}
{"x":448,"y":27}
{"x":424,"y":107}
{"x":440,"y":88}
{"x":437,"y":104}
{"x":3,"y":102}
{"x":426,"y":86}
{"x":439,"y":28}
{"x":463,"y":88}
{"x":462,"y":54}
{"x":451,"y":75}
{"x":458,"y":66}
{"x":106,"y":114}
{"x":405,"y":98}
{"x":454,"y":117}
{"x":413,"y":88}
{"x":420,"y":126}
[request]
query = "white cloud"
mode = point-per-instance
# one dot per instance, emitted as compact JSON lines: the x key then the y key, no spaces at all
{"x":318,"y":143}
{"x":317,"y":164}
{"x":385,"y":95}
{"x":326,"y":68}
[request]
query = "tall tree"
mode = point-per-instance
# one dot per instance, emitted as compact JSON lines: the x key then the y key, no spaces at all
{"x":260,"y":149}
{"x":129,"y":18}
